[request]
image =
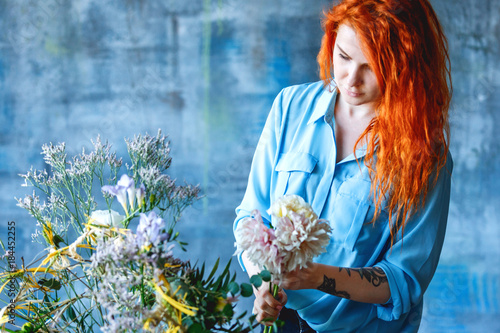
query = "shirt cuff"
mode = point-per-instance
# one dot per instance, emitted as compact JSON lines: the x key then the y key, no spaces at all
{"x":240,"y":260}
{"x":395,"y":306}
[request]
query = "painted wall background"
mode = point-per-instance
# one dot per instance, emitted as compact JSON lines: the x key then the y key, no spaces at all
{"x":206,"y":73}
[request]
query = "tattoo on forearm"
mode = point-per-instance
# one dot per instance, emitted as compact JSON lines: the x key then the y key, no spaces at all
{"x":329,"y":286}
{"x":374,"y":275}
{"x":348,"y":270}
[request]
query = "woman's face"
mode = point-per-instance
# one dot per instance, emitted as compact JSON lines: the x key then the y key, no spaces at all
{"x":355,"y":79}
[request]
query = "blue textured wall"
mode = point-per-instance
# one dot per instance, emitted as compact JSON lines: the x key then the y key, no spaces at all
{"x":206,"y":72}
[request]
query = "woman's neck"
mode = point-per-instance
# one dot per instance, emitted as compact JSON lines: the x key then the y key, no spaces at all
{"x":350,"y":123}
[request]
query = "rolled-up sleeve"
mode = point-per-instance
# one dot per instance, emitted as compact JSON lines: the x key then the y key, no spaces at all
{"x":411,"y":262}
{"x":258,"y":193}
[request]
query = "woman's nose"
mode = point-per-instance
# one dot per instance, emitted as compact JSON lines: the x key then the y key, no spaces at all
{"x":354,"y":77}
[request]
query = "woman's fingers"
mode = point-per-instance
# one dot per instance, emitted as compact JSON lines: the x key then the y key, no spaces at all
{"x":268,"y":307}
{"x":282,"y":297}
{"x":265,"y":317}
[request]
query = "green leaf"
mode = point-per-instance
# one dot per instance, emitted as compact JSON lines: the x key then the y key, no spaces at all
{"x":83,"y":323}
{"x":179,"y":283}
{"x":202,"y":271}
{"x":152,"y":199}
{"x":28,"y":328}
{"x":252,"y":318}
{"x":265,"y":275}
{"x":182,"y":245}
{"x":246,"y":290}
{"x":234,"y":288}
{"x":57,"y":239}
{"x":226,"y":281}
{"x":196,"y":328}
{"x":187,"y":321}
{"x":228,"y":310}
{"x":213,"y":270}
{"x":243,"y":314}
{"x":256,"y":280}
{"x":71,"y":313}
{"x":267,"y":320}
{"x":50,"y":283}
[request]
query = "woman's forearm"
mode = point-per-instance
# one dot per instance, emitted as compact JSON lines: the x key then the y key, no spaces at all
{"x":250,"y":267}
{"x":367,"y":285}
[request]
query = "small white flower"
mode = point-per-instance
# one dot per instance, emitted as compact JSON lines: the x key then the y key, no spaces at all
{"x":106,"y":218}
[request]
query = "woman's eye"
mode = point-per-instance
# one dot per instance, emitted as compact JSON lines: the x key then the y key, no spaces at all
{"x":343,"y":56}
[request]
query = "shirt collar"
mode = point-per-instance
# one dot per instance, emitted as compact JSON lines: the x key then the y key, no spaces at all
{"x":328,"y":95}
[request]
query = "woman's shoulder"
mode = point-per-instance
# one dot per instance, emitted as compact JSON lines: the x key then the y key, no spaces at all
{"x":304,"y":90}
{"x":306,"y":99}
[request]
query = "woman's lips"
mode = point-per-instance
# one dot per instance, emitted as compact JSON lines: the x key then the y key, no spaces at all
{"x":352,"y":94}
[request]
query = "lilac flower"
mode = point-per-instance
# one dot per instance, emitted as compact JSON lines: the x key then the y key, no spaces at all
{"x":150,"y":230}
{"x":128,"y":183}
{"x":118,"y":293}
{"x":124,"y":186}
{"x":140,"y":194}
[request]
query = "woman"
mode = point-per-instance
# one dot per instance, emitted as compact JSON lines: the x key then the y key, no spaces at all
{"x":367,"y":148}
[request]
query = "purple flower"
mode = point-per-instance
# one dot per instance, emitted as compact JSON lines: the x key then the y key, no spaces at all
{"x":125,"y":187}
{"x":140,"y":194}
{"x":150,"y":230}
{"x":128,"y":184}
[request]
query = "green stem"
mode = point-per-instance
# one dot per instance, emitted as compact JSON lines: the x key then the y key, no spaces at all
{"x":274,"y":289}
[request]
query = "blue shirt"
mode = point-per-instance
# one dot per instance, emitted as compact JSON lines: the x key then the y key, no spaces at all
{"x":296,"y":154}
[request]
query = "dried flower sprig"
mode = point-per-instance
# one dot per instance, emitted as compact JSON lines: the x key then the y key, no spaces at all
{"x":95,"y":272}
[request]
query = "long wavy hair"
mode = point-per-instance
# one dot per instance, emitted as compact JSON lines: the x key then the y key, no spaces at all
{"x":408,"y":138}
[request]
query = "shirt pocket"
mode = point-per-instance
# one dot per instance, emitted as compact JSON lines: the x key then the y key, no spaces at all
{"x":353,"y":217}
{"x":293,"y":171}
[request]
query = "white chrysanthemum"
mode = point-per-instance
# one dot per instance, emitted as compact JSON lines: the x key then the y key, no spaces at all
{"x":295,"y":239}
{"x":292,"y":203}
{"x":300,"y":235}
{"x":259,"y":243}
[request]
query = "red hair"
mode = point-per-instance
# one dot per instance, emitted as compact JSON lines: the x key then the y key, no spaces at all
{"x":405,"y":45}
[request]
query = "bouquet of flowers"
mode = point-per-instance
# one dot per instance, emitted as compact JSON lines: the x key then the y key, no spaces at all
{"x":295,"y":238}
{"x":97,"y":272}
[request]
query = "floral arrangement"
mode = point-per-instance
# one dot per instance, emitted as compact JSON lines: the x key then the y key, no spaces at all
{"x":295,"y":238}
{"x":111,"y":271}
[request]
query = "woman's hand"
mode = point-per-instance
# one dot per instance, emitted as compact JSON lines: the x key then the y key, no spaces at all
{"x":266,"y":306}
{"x":305,"y":278}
